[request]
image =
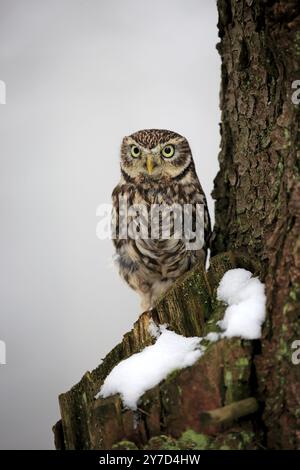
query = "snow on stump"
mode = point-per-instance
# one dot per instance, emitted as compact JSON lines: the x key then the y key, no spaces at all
{"x":219,"y":377}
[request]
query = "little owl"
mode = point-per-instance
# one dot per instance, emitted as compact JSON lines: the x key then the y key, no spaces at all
{"x":157,"y":170}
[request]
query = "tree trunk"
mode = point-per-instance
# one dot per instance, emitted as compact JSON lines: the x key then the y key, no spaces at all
{"x":257,"y":189}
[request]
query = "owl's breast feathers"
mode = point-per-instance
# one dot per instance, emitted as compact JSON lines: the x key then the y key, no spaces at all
{"x":146,"y":259}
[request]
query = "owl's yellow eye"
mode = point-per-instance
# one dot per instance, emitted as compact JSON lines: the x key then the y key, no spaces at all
{"x":168,"y":151}
{"x":135,"y":151}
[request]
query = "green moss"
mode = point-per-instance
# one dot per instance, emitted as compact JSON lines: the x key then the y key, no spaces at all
{"x":295,"y":293}
{"x":243,"y":365}
{"x":230,"y":386}
{"x":297,"y":43}
{"x":162,"y":442}
{"x":247,"y":436}
{"x":198,"y":441}
{"x":125,"y":445}
{"x":194,"y":440}
{"x":237,"y":373}
{"x":287,"y":308}
{"x":288,"y":139}
{"x":218,"y":309}
{"x":172,"y":375}
{"x":242,"y":362}
{"x":284,"y":349}
{"x":235,"y":441}
{"x":277,"y":183}
{"x":228,"y":378}
{"x":293,"y":298}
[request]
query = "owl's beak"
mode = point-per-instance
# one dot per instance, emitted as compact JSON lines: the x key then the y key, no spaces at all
{"x":149,"y":164}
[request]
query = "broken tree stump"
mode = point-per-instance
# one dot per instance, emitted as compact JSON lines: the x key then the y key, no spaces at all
{"x":219,"y":378}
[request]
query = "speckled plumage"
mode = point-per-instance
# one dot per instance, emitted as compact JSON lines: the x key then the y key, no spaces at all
{"x":150,"y":266}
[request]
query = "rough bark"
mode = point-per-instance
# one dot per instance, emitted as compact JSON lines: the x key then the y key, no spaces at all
{"x":257,"y":189}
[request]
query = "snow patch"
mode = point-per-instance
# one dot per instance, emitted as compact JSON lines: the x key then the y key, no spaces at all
{"x":133,"y":376}
{"x":155,"y":330}
{"x":246,"y":300}
{"x":212,"y":336}
{"x":244,"y":316}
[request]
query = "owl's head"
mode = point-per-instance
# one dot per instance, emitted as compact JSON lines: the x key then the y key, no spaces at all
{"x":155,"y":154}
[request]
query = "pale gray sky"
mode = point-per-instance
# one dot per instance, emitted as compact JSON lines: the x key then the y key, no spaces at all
{"x":80,"y":75}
